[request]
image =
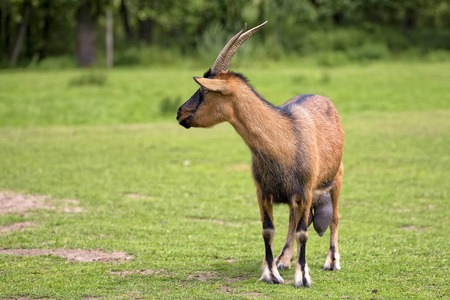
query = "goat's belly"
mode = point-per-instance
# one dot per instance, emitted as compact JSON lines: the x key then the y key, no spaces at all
{"x":280,"y":191}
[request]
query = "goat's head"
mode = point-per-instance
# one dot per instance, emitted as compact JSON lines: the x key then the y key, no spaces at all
{"x":211,"y":103}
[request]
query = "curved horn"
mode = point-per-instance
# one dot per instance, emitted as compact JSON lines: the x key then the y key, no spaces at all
{"x":217,"y":66}
{"x":239,"y":42}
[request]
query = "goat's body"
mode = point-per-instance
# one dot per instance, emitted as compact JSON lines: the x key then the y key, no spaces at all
{"x":297,"y":160}
{"x":315,"y":124}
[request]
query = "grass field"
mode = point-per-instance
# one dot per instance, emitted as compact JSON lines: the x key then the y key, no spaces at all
{"x":182,"y":202}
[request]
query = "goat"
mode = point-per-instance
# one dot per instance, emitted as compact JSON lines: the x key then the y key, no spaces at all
{"x":296,"y":157}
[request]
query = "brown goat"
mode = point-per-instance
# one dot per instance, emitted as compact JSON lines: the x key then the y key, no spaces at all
{"x":297,"y":157}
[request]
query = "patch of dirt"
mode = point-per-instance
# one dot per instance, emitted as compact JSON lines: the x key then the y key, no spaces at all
{"x":225,"y":290}
{"x":23,"y":299}
{"x":77,"y":255}
{"x":15,"y":203}
{"x":72,"y":207}
{"x":142,"y":272}
{"x":12,"y":202}
{"x":413,"y":228}
{"x":431,"y":207}
{"x":234,"y":280}
{"x":204,"y":275}
{"x":138,"y":196}
{"x":401,"y":210}
{"x":16,"y":227}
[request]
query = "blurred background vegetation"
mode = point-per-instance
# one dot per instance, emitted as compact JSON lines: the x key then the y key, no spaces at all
{"x":55,"y":34}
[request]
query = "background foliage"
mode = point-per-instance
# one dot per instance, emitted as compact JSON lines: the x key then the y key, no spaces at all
{"x":156,"y":31}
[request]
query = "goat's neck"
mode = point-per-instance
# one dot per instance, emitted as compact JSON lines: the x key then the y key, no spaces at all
{"x":263,"y":128}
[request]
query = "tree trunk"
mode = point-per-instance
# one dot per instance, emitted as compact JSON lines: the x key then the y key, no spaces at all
{"x":338,"y":18}
{"x":410,"y":21}
{"x":316,"y":3}
{"x":86,"y":25}
{"x":125,"y":20}
{"x":43,"y":51}
{"x":146,"y":30}
{"x":109,"y":39}
{"x":1,"y":31}
{"x":277,"y":23}
{"x":28,"y":37}
{"x":20,"y":33}
{"x":7,"y":37}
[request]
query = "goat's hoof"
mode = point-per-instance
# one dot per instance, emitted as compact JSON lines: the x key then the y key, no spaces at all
{"x":283,"y":263}
{"x":302,"y":279}
{"x":271,"y":278}
{"x":303,"y":283}
{"x":282,"y":266}
{"x":333,"y":266}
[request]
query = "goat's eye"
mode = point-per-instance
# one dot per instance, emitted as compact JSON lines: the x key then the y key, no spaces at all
{"x":205,"y":91}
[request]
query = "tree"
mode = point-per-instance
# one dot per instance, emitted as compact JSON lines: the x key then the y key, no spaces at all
{"x":86,"y":17}
{"x":125,"y":20}
{"x":21,"y":32}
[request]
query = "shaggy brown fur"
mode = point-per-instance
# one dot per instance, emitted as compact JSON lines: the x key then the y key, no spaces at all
{"x":297,"y":159}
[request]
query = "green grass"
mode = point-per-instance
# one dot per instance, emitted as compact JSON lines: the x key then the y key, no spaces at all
{"x":123,"y":96}
{"x":199,"y":212}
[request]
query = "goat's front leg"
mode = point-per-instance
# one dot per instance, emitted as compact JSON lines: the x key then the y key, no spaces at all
{"x":270,"y":271}
{"x":284,"y":259}
{"x":301,"y":277}
{"x":287,"y":253}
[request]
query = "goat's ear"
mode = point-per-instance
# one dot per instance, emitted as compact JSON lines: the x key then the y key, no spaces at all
{"x":215,"y":85}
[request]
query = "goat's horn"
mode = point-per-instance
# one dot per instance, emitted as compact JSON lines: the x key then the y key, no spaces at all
{"x":239,"y":42}
{"x":217,"y":66}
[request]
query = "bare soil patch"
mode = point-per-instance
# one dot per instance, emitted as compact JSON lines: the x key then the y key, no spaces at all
{"x":233,"y":280}
{"x":204,"y":275}
{"x":12,"y":202}
{"x":225,"y":290}
{"x":71,"y":206}
{"x":23,"y":299}
{"x":16,"y":227}
{"x":15,"y":203}
{"x":138,"y":196}
{"x":77,"y":255}
{"x":413,"y":228}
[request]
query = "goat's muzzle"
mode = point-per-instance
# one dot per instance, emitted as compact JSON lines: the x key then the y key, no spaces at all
{"x":184,"y":120}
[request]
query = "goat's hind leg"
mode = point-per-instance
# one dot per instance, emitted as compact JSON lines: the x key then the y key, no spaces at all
{"x":332,"y":261}
{"x":269,"y":267}
{"x":301,"y":277}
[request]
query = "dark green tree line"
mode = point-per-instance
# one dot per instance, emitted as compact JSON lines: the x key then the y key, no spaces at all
{"x":37,"y":29}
